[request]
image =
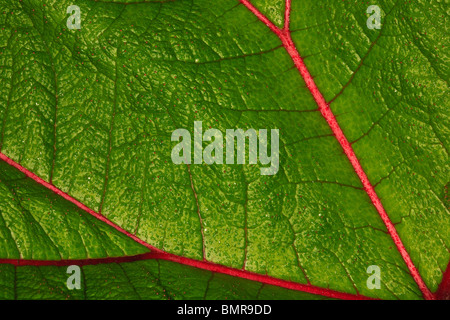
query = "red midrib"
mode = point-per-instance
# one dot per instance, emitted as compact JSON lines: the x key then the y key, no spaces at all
{"x":443,"y":292}
{"x":212,"y":267}
{"x":324,"y":108}
{"x":159,"y":254}
{"x":285,"y":37}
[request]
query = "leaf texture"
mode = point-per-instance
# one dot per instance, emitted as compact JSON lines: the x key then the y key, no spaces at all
{"x":91,"y":113}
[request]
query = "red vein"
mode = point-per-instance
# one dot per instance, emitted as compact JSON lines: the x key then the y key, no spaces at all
{"x":262,"y":17}
{"x":288,"y":44}
{"x":443,"y":292}
{"x":286,"y":39}
{"x":77,"y":262}
{"x":259,"y":277}
{"x":212,"y":267}
{"x":73,"y":200}
{"x":287,"y":14}
{"x":162,"y":255}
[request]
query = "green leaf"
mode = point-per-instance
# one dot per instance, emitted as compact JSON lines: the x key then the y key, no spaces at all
{"x":38,"y":224}
{"x":92,"y":111}
{"x":148,"y":280}
{"x":393,"y":108}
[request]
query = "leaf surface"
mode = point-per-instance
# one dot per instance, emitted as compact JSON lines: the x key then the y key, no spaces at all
{"x":143,"y":280}
{"x":91,"y":112}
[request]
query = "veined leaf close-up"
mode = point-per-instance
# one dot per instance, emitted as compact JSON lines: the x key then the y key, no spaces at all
{"x":198,"y":149}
